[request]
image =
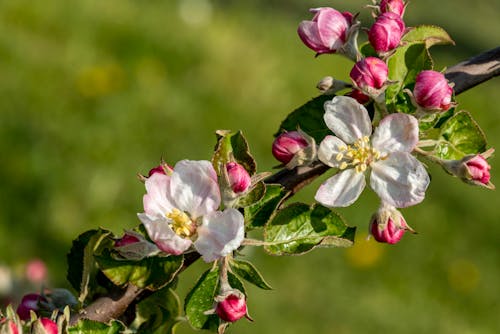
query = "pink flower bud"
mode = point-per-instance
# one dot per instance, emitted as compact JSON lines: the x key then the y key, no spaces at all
{"x":385,"y":34}
{"x":286,"y":145}
{"x":49,"y":326}
{"x":478,"y":169}
{"x":29,"y":303}
{"x":393,"y":6}
{"x":233,"y":307}
{"x":328,"y":30}
{"x":369,"y":74}
{"x":127,"y":239}
{"x":388,"y":225}
{"x":432,"y":91}
{"x":36,"y":271}
{"x":239,"y":179}
{"x":11,"y":326}
{"x":358,"y":96}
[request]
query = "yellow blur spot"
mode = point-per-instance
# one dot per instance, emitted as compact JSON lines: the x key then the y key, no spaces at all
{"x":463,"y":275}
{"x":365,"y":253}
{"x":99,"y":81}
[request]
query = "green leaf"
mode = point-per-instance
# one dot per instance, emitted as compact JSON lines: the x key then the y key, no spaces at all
{"x":259,"y":213}
{"x":85,"y":326}
{"x":150,"y":273}
{"x":201,"y":299}
{"x":299,"y":228}
{"x":309,"y":118}
{"x":367,"y":50}
{"x":232,"y":146}
{"x":82,"y":268}
{"x":404,"y":65}
{"x":248,"y":272}
{"x":158,"y":313}
{"x":460,"y":136}
{"x":429,"y":34}
{"x":254,"y":196}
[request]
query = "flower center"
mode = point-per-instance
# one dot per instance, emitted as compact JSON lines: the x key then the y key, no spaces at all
{"x":358,"y":155}
{"x":181,"y":224}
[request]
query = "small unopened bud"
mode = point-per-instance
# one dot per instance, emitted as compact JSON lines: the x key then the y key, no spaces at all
{"x":36,"y":271}
{"x":231,"y":306}
{"x":388,"y":225}
{"x":133,"y":246}
{"x":432,"y":91}
{"x":29,"y":302}
{"x":393,"y":6}
{"x":127,"y":239}
{"x":294,"y":148}
{"x":239,"y":179}
{"x":370,"y":75}
{"x":329,"y":85}
{"x":327,"y":32}
{"x":49,"y":326}
{"x":385,"y":34}
{"x":472,"y":169}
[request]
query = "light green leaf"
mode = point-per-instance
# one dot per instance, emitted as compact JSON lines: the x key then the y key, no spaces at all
{"x":309,"y":118}
{"x":431,"y":35}
{"x":299,"y":228}
{"x":150,"y":273}
{"x":201,"y":299}
{"x":460,"y":136}
{"x":85,"y":326}
{"x":248,"y":272}
{"x":258,"y":214}
{"x":254,"y":196}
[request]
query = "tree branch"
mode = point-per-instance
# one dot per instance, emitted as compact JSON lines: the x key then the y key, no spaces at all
{"x":464,"y":75}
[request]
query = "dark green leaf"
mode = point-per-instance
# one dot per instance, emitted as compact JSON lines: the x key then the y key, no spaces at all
{"x":232,"y":146}
{"x":248,"y":272}
{"x":299,"y":228}
{"x":259,"y":213}
{"x":460,"y":136}
{"x":201,"y":299}
{"x":158,"y":313}
{"x":85,"y":326}
{"x":151,"y":273}
{"x":309,"y":118}
{"x":367,"y":50}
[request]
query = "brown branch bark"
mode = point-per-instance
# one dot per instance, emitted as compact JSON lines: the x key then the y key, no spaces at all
{"x":464,"y":75}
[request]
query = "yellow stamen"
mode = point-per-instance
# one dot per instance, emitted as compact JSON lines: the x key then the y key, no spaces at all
{"x":181,"y":224}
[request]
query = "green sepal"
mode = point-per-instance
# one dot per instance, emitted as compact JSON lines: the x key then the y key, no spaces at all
{"x":460,"y":135}
{"x":232,"y":146}
{"x":257,"y":214}
{"x":249,"y":273}
{"x":308,"y":118}
{"x":152,"y":273}
{"x":299,"y":228}
{"x":82,"y":268}
{"x":159,"y":313}
{"x":85,"y":326}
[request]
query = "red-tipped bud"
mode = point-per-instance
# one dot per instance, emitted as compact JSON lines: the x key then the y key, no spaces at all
{"x":385,"y":34}
{"x":327,"y":32}
{"x":432,"y":91}
{"x":393,"y":6}
{"x":288,"y":144}
{"x":36,"y":271}
{"x":239,"y":179}
{"x":30,"y":302}
{"x":8,"y":326}
{"x":127,"y":239}
{"x":49,"y":326}
{"x":478,"y":169}
{"x":369,"y":74}
{"x":388,"y":225}
{"x":232,"y":306}
{"x":472,"y":169}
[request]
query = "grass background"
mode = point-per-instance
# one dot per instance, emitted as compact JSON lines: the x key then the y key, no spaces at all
{"x":92,"y":92}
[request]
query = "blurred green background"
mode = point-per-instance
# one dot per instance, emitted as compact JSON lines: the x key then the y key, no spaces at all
{"x":92,"y":92}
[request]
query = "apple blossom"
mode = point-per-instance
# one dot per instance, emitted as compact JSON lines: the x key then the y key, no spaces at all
{"x":388,"y":225}
{"x":473,"y":169}
{"x":370,"y":75}
{"x":182,"y":207}
{"x":397,"y":177}
{"x":432,"y":91}
{"x":239,"y":179}
{"x":231,"y":306}
{"x":393,"y":6}
{"x":385,"y":34}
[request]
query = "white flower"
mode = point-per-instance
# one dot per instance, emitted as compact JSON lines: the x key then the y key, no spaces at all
{"x":183,"y":206}
{"x":397,"y":177}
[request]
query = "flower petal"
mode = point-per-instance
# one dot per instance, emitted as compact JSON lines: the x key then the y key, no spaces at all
{"x":396,"y":132}
{"x":329,"y":150}
{"x":220,"y":234}
{"x":157,"y":200}
{"x":348,"y":119}
{"x":400,"y":180}
{"x":194,"y":187}
{"x":162,"y":235}
{"x":332,"y":28}
{"x":342,"y":189}
{"x":309,"y":34}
